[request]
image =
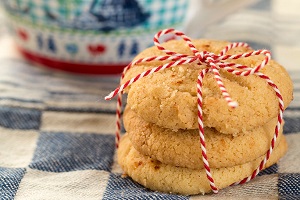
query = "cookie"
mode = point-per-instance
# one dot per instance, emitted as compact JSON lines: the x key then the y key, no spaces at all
{"x":170,"y":179}
{"x":182,"y":148}
{"x":168,"y":98}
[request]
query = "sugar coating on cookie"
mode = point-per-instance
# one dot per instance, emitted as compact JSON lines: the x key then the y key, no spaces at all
{"x":182,"y":148}
{"x":167,"y":178}
{"x":168,"y":98}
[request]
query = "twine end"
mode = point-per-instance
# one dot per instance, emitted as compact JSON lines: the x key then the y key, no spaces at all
{"x":215,"y":191}
{"x":111,"y":95}
{"x":107,"y":98}
{"x":233,"y":104}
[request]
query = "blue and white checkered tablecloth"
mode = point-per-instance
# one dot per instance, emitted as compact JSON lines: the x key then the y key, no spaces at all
{"x":57,"y":133}
{"x":57,"y":142}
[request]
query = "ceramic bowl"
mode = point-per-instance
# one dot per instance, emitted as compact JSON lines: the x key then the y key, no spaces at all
{"x":89,"y":36}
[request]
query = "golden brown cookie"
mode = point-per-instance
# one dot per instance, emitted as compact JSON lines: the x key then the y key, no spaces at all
{"x":170,"y":179}
{"x":168,"y":98}
{"x":182,"y":148}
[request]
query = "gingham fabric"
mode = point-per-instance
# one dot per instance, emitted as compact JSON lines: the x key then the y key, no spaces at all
{"x":57,"y":135}
{"x":62,"y":13}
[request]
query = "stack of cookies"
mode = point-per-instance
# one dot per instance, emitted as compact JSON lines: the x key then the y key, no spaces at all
{"x":161,"y":148}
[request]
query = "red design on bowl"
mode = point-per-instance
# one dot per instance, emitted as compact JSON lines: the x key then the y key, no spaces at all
{"x":22,"y":34}
{"x":96,"y":49}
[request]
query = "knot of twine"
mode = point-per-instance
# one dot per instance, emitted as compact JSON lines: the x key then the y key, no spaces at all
{"x":213,"y":65}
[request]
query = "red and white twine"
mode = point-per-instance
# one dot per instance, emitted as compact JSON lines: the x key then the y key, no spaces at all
{"x":214,"y":63}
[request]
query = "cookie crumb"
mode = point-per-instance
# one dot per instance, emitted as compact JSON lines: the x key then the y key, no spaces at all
{"x":137,"y":164}
{"x":124,"y":175}
{"x":181,"y":69}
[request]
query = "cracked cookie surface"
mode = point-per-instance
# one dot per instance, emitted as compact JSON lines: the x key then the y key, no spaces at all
{"x":170,"y":179}
{"x":168,"y":98}
{"x":182,"y":148}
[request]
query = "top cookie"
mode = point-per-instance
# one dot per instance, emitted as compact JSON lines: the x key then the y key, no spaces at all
{"x":169,"y":98}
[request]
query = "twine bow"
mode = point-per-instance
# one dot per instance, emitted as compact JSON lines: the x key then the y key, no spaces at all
{"x":214,"y":63}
